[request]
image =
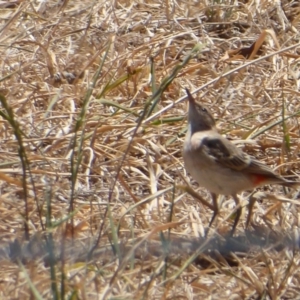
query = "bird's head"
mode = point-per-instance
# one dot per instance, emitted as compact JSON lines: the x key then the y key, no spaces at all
{"x":199,"y":117}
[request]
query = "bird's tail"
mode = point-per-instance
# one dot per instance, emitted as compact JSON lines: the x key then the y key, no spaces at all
{"x":291,"y":184}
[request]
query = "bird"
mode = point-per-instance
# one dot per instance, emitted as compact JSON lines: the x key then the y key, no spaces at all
{"x":216,"y":164}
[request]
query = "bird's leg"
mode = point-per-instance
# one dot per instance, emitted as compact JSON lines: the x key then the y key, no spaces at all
{"x":216,"y":210}
{"x":238,"y":214}
{"x":251,"y":205}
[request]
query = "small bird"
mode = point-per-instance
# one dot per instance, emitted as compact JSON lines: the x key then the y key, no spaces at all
{"x":217,"y":164}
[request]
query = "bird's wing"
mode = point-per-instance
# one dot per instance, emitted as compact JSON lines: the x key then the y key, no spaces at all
{"x":228,"y":155}
{"x":225,"y":153}
{"x":257,"y":167}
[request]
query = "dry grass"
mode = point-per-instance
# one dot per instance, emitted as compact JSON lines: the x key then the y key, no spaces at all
{"x":91,"y":138}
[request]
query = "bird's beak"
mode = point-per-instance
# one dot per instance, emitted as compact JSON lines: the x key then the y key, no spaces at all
{"x":190,"y":97}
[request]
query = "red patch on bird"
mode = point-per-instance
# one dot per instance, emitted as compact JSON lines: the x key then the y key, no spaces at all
{"x":258,"y":179}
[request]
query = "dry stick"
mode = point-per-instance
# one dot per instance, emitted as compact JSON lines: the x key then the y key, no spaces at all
{"x":8,"y":24}
{"x":8,"y":115}
{"x":153,"y":99}
{"x":216,"y":79}
{"x":82,"y":116}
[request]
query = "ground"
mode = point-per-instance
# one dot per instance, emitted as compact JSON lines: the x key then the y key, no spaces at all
{"x":93,"y":118}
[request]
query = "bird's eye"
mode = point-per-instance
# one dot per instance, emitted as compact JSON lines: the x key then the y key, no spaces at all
{"x":203,"y":109}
